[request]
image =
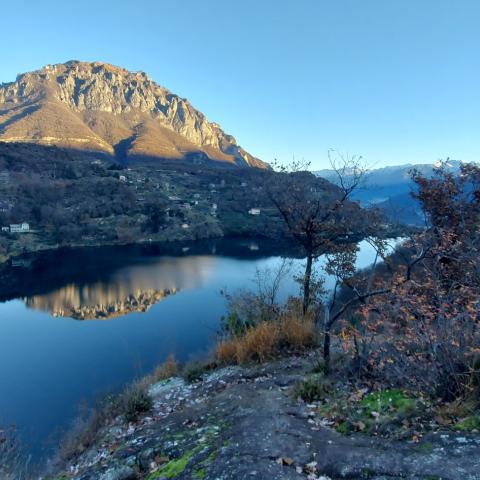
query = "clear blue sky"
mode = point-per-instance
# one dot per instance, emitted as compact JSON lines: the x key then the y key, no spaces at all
{"x":394,"y":80}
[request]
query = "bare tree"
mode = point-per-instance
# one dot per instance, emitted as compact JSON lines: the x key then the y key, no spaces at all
{"x":269,"y":279}
{"x":247,"y":308}
{"x":319,"y":216}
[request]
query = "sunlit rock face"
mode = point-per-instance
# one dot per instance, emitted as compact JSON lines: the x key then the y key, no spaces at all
{"x":99,"y":107}
{"x":129,"y":290}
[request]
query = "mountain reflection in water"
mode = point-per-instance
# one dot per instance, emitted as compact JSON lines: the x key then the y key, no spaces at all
{"x":129,"y":289}
{"x":165,"y":300}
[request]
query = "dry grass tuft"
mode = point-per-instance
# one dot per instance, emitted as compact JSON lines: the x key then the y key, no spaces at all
{"x":129,"y":404}
{"x":267,"y":339}
{"x":166,"y":370}
{"x":258,"y":343}
{"x":86,"y":428}
{"x":297,"y":332}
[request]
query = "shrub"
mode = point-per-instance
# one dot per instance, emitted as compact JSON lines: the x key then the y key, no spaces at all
{"x":136,"y":400}
{"x":166,"y":370}
{"x":193,"y":371}
{"x":86,"y":428}
{"x":267,"y":339}
{"x":319,"y":367}
{"x":315,"y":387}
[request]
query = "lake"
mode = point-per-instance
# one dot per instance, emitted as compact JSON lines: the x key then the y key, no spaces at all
{"x":76,"y":325}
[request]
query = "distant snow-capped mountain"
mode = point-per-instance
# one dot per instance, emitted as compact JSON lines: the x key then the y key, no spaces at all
{"x":390,"y":188}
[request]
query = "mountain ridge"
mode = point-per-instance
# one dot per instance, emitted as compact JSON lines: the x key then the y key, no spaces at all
{"x":99,"y":107}
{"x":389,"y":188}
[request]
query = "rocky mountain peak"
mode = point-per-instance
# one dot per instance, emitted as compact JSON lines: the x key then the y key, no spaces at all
{"x":98,"y":106}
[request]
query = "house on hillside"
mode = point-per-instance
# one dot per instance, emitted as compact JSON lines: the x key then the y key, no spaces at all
{"x":254,"y":211}
{"x":19,"y":227}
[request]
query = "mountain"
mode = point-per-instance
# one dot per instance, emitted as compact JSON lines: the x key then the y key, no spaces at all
{"x":97,"y":107}
{"x":389,"y":188}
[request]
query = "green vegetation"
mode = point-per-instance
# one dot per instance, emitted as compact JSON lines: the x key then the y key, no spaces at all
{"x":200,"y":437}
{"x":424,"y":447}
{"x":319,"y":367}
{"x":70,"y":198}
{"x":174,"y":468}
{"x":314,"y":387}
{"x":469,"y":424}
{"x":388,"y":401}
{"x":386,"y":412}
{"x":200,"y":473}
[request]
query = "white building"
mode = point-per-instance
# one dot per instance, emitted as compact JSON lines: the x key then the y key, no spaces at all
{"x":122,"y":178}
{"x":5,"y":229}
{"x":254,"y":211}
{"x":19,"y":227}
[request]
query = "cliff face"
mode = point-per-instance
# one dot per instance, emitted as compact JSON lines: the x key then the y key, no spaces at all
{"x":100,"y":107}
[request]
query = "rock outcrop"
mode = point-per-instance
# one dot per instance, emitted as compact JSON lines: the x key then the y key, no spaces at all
{"x":102,"y":108}
{"x":246,"y":423}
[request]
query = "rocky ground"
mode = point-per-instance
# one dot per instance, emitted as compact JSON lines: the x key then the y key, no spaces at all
{"x":246,"y":423}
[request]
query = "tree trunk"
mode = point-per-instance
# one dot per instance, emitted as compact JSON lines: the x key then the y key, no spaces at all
{"x":326,"y":349}
{"x":306,"y":283}
{"x":326,"y":340}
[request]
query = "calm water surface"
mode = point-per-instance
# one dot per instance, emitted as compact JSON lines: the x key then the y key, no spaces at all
{"x":77,"y":325}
